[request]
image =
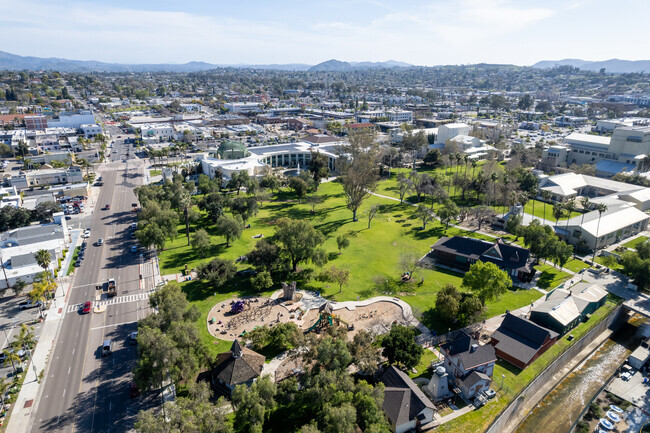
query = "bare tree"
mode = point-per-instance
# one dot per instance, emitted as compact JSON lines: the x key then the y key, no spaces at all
{"x":372,"y":212}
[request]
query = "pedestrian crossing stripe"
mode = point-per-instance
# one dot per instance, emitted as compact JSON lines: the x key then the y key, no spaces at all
{"x":114,"y":301}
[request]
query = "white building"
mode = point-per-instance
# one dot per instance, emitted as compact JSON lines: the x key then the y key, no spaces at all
{"x":46,"y":177}
{"x":450,"y":130}
{"x":243,"y":107}
{"x":192,"y":108}
{"x":399,"y":116}
{"x":18,"y":246}
{"x":72,"y":119}
{"x":91,"y":130}
{"x":262,"y":158}
{"x":159,"y":131}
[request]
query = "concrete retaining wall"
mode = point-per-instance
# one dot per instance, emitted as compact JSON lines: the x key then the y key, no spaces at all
{"x":504,"y":423}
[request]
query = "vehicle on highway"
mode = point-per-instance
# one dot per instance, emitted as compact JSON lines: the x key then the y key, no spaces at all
{"x":100,"y":242}
{"x":133,"y":337}
{"x":86,"y":233}
{"x":111,"y":287}
{"x":29,"y":304}
{"x":86,"y":307}
{"x":107,"y":207}
{"x":134,"y":226}
{"x":99,"y":179}
{"x":107,"y":348}
{"x":132,"y":235}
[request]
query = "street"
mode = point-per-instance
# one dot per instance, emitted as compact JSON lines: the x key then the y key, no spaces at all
{"x":82,"y":390}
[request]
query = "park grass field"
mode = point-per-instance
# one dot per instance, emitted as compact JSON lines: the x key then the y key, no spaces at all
{"x":374,"y":253}
{"x":636,"y":241}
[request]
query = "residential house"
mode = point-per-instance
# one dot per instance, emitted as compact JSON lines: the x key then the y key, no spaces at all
{"x":461,"y":252}
{"x":469,"y":364}
{"x":564,"y":309}
{"x":238,"y":366}
{"x":520,"y":341}
{"x":405,"y":405}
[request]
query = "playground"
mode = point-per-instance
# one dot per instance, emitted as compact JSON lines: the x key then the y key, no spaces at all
{"x":234,"y":318}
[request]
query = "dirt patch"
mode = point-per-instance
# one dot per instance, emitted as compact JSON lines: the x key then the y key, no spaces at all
{"x":376,"y":317}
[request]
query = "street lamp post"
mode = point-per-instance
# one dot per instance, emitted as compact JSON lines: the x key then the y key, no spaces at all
{"x":503,"y":376}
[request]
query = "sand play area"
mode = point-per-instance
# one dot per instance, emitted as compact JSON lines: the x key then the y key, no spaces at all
{"x":259,"y":311}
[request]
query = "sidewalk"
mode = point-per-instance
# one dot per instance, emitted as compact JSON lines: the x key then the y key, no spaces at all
{"x":20,"y":417}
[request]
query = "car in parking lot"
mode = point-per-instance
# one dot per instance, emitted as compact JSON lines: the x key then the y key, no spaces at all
{"x":133,"y":337}
{"x":86,"y":307}
{"x":134,"y":249}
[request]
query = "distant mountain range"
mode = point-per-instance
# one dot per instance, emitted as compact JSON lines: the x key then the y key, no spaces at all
{"x":10,"y":61}
{"x":614,"y":66}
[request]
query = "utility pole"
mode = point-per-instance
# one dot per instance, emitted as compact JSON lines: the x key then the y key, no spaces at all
{"x":2,"y":263}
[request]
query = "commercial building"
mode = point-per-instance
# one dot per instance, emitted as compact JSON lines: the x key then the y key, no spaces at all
{"x":46,"y":177}
{"x":18,"y":246}
{"x":243,"y":107}
{"x":450,"y":130}
{"x":91,"y":130}
{"x":164,"y":131}
{"x":401,"y":116}
{"x":72,"y":119}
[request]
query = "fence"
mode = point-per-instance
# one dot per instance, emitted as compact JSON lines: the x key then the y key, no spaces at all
{"x":504,"y":423}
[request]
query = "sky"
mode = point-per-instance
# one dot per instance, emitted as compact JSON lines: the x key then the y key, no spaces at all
{"x":420,"y":32}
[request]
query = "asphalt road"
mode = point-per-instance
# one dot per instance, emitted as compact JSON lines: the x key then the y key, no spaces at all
{"x":83,"y":391}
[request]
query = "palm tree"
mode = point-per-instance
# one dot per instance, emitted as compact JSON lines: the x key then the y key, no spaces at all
{"x":506,"y":181}
{"x":570,"y":207}
{"x":558,"y":211}
{"x":466,"y":158}
{"x":4,"y":387}
{"x":43,"y":258}
{"x":601,"y":208}
{"x":25,"y":338}
{"x":584,"y":201}
{"x":12,"y":357}
{"x":494,"y":178}
{"x":546,"y":195}
{"x":474,"y":165}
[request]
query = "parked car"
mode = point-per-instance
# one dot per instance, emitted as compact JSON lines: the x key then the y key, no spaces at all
{"x":133,"y":337}
{"x":100,"y":242}
{"x":29,"y":304}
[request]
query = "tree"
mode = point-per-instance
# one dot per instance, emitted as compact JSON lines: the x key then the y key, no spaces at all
{"x":213,"y":204}
{"x":424,"y":214}
{"x":487,"y":280}
{"x":544,"y":106}
{"x":399,"y":347}
{"x":299,"y":187}
{"x":513,"y":225}
{"x":270,"y":181}
{"x":43,"y":211}
{"x":342,"y":241}
{"x":239,"y":180}
{"x":448,"y":212}
{"x":372,"y":212}
{"x":245,"y":207}
{"x":365,"y":354}
{"x":409,"y":262}
{"x":404,"y":185}
{"x":433,"y":158}
{"x":265,"y":256}
{"x":151,"y":235}
{"x":525,"y":102}
{"x":336,"y":275}
{"x":230,"y":227}
{"x":218,"y":271}
{"x":262,"y":281}
{"x":18,"y":287}
{"x":483,"y":214}
{"x":319,"y":167}
{"x":313,"y":201}
{"x":300,"y":241}
{"x":448,"y":302}
{"x":251,"y":404}
{"x":201,"y":242}
{"x":43,"y":258}
{"x":584,"y":202}
{"x":470,"y":309}
{"x":562,"y":252}
{"x":360,"y":174}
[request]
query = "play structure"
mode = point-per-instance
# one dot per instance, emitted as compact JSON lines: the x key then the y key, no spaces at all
{"x":237,"y":307}
{"x":327,"y":318}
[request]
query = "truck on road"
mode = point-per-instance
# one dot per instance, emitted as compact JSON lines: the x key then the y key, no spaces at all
{"x":112,"y":289}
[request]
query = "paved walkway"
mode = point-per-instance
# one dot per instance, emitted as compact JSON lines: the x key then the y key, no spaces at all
{"x":22,"y":409}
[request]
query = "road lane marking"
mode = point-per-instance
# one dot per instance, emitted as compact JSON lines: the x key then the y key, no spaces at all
{"x":69,"y":368}
{"x":116,"y":324}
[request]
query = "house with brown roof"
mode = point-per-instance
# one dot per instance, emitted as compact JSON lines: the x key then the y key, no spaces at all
{"x":469,"y":364}
{"x":238,"y":366}
{"x":520,"y":341}
{"x":405,"y":405}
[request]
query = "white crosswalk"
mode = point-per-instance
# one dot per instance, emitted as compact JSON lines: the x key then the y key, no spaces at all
{"x":113,"y":301}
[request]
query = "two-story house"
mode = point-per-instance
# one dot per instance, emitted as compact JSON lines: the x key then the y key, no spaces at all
{"x":469,"y":364}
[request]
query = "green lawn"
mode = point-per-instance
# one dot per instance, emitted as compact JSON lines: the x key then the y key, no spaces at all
{"x":538,"y":208}
{"x":617,"y":266}
{"x":423,"y":367}
{"x":373,"y":252}
{"x":153,"y":173}
{"x":74,"y":259}
{"x":551,"y":277}
{"x":516,"y":380}
{"x":575,"y":265}
{"x":634,"y":242}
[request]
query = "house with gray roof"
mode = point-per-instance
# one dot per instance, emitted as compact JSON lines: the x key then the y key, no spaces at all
{"x":405,"y":405}
{"x":520,"y":341}
{"x":238,"y":366}
{"x":464,"y":356}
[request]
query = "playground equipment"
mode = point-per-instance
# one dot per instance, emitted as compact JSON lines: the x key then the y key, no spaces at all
{"x":237,"y":307}
{"x":326,"y":317}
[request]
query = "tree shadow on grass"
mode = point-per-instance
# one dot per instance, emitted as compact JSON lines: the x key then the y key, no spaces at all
{"x":433,"y":231}
{"x":546,"y":279}
{"x":331,"y":226}
{"x":199,"y":290}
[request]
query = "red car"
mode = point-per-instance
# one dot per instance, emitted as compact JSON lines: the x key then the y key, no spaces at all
{"x":107,"y":207}
{"x":86,"y":307}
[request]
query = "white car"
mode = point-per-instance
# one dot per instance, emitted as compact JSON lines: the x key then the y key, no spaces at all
{"x":100,"y":241}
